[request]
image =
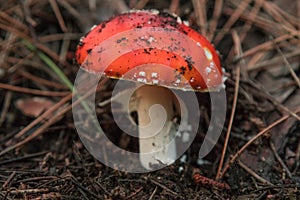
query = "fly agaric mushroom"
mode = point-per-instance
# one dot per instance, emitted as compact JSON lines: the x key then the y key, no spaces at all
{"x":160,"y":51}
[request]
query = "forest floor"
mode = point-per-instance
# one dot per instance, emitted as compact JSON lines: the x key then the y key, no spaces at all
{"x":256,"y":157}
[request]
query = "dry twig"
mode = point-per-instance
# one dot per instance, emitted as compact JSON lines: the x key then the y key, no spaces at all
{"x":58,"y":15}
{"x":200,"y":12}
{"x":174,"y":6}
{"x":32,"y":91}
{"x":164,"y":187}
{"x":236,"y":91}
{"x":234,"y":16}
{"x":287,"y":64}
{"x":215,"y":18}
{"x":141,"y":4}
{"x":252,"y":173}
{"x":280,"y":160}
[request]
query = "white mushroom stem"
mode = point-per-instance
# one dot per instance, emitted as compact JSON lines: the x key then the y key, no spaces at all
{"x":155,"y":108}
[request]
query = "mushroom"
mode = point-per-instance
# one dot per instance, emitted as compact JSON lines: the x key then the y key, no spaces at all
{"x":161,"y":52}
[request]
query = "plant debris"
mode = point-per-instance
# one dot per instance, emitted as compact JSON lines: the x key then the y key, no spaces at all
{"x":257,"y":156}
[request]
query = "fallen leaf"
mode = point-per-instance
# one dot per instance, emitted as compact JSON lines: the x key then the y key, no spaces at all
{"x":33,"y":107}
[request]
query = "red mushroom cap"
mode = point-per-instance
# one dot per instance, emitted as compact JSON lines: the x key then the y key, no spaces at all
{"x":153,"y":48}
